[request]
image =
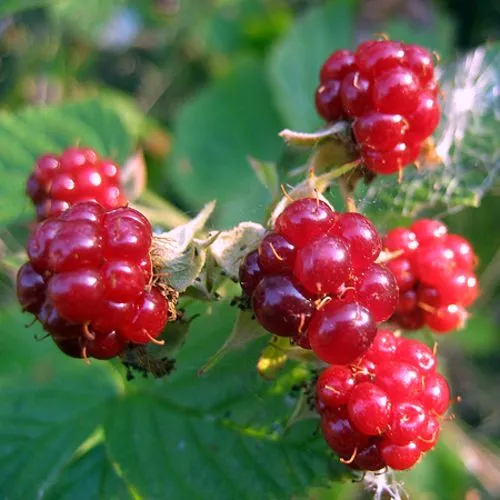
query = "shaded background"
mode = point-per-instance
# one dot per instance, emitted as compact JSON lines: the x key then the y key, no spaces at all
{"x":217,"y":80}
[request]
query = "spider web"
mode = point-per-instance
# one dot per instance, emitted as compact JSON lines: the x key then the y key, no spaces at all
{"x":467,"y":142}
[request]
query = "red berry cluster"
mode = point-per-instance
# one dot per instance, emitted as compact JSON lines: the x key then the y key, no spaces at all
{"x":434,"y":274}
{"x":389,"y":90}
{"x":384,"y":409}
{"x":88,"y":281}
{"x":315,"y":279}
{"x":78,"y":174}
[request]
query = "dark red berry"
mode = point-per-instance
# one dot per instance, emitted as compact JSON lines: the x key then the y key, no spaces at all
{"x":276,"y":254}
{"x":339,"y":333}
{"x":361,"y":237}
{"x":250,"y":272}
{"x":408,"y":302}
{"x":428,"y":297}
{"x":70,"y":346}
{"x":305,"y":220}
{"x":369,"y":409}
{"x":413,"y":320}
{"x":327,"y":100}
{"x":105,"y":346}
{"x":323,"y":265}
{"x":377,"y":290}
{"x":379,"y":57}
{"x":369,"y":458}
{"x":30,"y":288}
{"x":355,"y":94}
{"x":280,"y":307}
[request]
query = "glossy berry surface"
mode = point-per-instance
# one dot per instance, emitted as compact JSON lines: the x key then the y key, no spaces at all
{"x":314,"y":279}
{"x":78,"y":174}
{"x":87,"y":281}
{"x":389,"y":91}
{"x":435,"y":274}
{"x":383,"y":410}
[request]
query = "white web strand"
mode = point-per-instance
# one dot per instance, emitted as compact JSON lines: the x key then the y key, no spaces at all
{"x":384,"y":485}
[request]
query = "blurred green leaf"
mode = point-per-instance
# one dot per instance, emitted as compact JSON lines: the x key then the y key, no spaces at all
{"x":44,"y":418}
{"x":34,"y":131}
{"x":215,"y":133}
{"x":15,"y":6}
{"x":90,"y":475}
{"x":294,"y":63}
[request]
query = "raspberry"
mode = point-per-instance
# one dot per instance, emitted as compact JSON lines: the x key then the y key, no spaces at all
{"x":434,"y":274}
{"x":77,"y":175}
{"x":314,"y":279}
{"x":384,"y":409}
{"x":87,"y":280}
{"x":389,"y":90}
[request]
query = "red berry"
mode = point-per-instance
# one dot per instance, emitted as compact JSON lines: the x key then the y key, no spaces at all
{"x":424,"y":119}
{"x":428,"y":297}
{"x":150,"y":319}
{"x":434,"y":264}
{"x":59,"y":182}
{"x":305,"y":220}
{"x":408,"y":421}
{"x":464,"y":254}
{"x":340,"y":434}
{"x":105,"y":346}
{"x":413,"y":320}
{"x":123,"y":280}
{"x":70,"y":346}
{"x":403,"y":273}
{"x":429,"y":231}
{"x":377,"y":290}
{"x":445,"y":318}
{"x":323,"y":265}
{"x":334,"y":386}
{"x":399,"y":457}
{"x":380,"y":56}
{"x":250,"y":272}
{"x":429,"y":434}
{"x":276,"y":254}
{"x":280,"y":307}
{"x":369,"y":409}
{"x":379,"y":131}
{"x":114,"y":316}
{"x":420,"y":61}
{"x":417,"y":354}
{"x":396,"y":91}
{"x":462,"y":288}
{"x":327,"y":100}
{"x":407,"y":302}
{"x":339,"y":333}
{"x":361,"y":237}
{"x":436,"y":393}
{"x":387,"y":162}
{"x":402,"y":239}
{"x":355,"y":94}
{"x":338,"y":65}
{"x":401,"y":381}
{"x":383,"y":348}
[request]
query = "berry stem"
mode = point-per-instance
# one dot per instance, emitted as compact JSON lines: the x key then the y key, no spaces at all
{"x":312,"y":138}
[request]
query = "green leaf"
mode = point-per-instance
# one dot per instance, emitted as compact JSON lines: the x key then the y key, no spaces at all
{"x":44,"y":418}
{"x":34,"y":131}
{"x":90,"y":475}
{"x":213,"y":436}
{"x":267,"y":173}
{"x":8,"y":7}
{"x":467,"y":142}
{"x":293,"y":66}
{"x":215,"y":133}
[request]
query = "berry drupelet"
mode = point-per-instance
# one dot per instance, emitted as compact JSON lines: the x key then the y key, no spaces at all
{"x":435,"y":275}
{"x":385,"y":409}
{"x":314,"y":279}
{"x":89,"y":281}
{"x":389,"y":92}
{"x":77,"y":175}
